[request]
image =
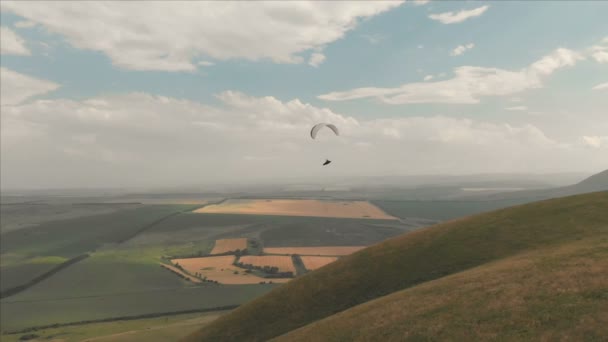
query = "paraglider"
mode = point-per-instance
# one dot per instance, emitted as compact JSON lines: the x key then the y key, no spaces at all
{"x":316,"y":128}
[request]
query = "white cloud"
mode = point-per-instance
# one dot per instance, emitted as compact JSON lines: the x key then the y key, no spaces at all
{"x":17,"y":87}
{"x":601,"y":86}
{"x":316,"y":59}
{"x":428,"y":77}
{"x":595,"y":141}
{"x":25,"y":24}
{"x":458,"y":17}
{"x":460,"y":49}
{"x":600,"y":52}
{"x":11,"y":43}
{"x":205,"y":63}
{"x":469,"y":84}
{"x":517,"y":108}
{"x":169,"y":35}
{"x":131,"y":140}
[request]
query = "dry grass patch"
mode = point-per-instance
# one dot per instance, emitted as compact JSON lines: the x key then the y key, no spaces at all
{"x":229,"y":245}
{"x":323,"y":250}
{"x":282,"y":207}
{"x":283,"y":263}
{"x":313,"y":262}
{"x":221,"y":269}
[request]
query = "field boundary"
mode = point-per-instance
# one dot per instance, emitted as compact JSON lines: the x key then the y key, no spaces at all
{"x":121,"y":318}
{"x":14,"y":290}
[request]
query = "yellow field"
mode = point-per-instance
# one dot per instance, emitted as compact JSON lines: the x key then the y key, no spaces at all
{"x":313,"y":262}
{"x":323,"y":250}
{"x":229,"y":245}
{"x":281,"y":207}
{"x":221,"y":269}
{"x":283,"y":263}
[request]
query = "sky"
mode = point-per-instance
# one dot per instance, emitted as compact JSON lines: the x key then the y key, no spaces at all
{"x":119,"y":94}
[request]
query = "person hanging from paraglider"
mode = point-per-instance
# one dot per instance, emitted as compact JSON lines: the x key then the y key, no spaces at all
{"x":315,"y":129}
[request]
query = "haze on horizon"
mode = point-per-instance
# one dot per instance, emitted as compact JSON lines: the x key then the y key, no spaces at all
{"x":110,"y":94}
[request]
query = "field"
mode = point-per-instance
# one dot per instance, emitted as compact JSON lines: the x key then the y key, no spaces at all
{"x":313,"y":262}
{"x":284,"y":207}
{"x":220,"y":269}
{"x":446,"y":249}
{"x":122,"y":275}
{"x":164,"y":328}
{"x":283,"y":263}
{"x":229,"y":245}
{"x":321,"y":250}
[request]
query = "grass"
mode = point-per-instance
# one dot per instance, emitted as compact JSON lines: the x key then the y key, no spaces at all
{"x":411,"y":259}
{"x":167,"y":328}
{"x":555,"y":293}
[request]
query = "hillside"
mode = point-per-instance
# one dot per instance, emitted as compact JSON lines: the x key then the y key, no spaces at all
{"x":411,"y":259}
{"x":523,"y":297}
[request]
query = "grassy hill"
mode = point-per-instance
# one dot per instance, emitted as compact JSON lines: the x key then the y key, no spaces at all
{"x":418,"y":257}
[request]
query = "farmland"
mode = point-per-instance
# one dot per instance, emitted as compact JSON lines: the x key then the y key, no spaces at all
{"x":321,"y":250}
{"x":315,"y":208}
{"x":229,"y":245}
{"x":313,"y":262}
{"x":122,"y":275}
{"x":220,"y":269}
{"x":283,"y":263}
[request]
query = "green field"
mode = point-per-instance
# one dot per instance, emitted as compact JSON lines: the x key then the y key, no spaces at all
{"x":28,"y":252}
{"x":165,"y":328}
{"x":415,"y":258}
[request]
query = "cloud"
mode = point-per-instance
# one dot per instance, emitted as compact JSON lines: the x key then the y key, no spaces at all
{"x":205,"y":63}
{"x":600,"y":52}
{"x":316,"y":59}
{"x":458,"y":17}
{"x":170,"y":35}
{"x":139,"y":139}
{"x":11,"y":43}
{"x":469,"y":84}
{"x":460,"y":49}
{"x":428,"y":77}
{"x":595,"y":141}
{"x":517,"y":108}
{"x":17,"y":87}
{"x":601,"y":86}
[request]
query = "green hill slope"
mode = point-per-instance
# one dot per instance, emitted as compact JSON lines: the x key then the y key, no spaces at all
{"x":412,"y":259}
{"x":556,"y":293}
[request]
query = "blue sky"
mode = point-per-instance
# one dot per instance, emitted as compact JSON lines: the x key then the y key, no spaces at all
{"x":383,"y":47}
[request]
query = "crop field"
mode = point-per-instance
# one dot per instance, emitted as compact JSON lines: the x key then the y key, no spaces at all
{"x":313,"y":262}
{"x":283,"y":263}
{"x":229,"y":245}
{"x":182,"y":273}
{"x":283,"y":207}
{"x":19,"y":312}
{"x":321,"y":250}
{"x":221,"y":269}
{"x":164,"y":328}
{"x":29,"y":252}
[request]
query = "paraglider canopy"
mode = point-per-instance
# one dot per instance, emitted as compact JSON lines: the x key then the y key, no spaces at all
{"x":316,"y":128}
